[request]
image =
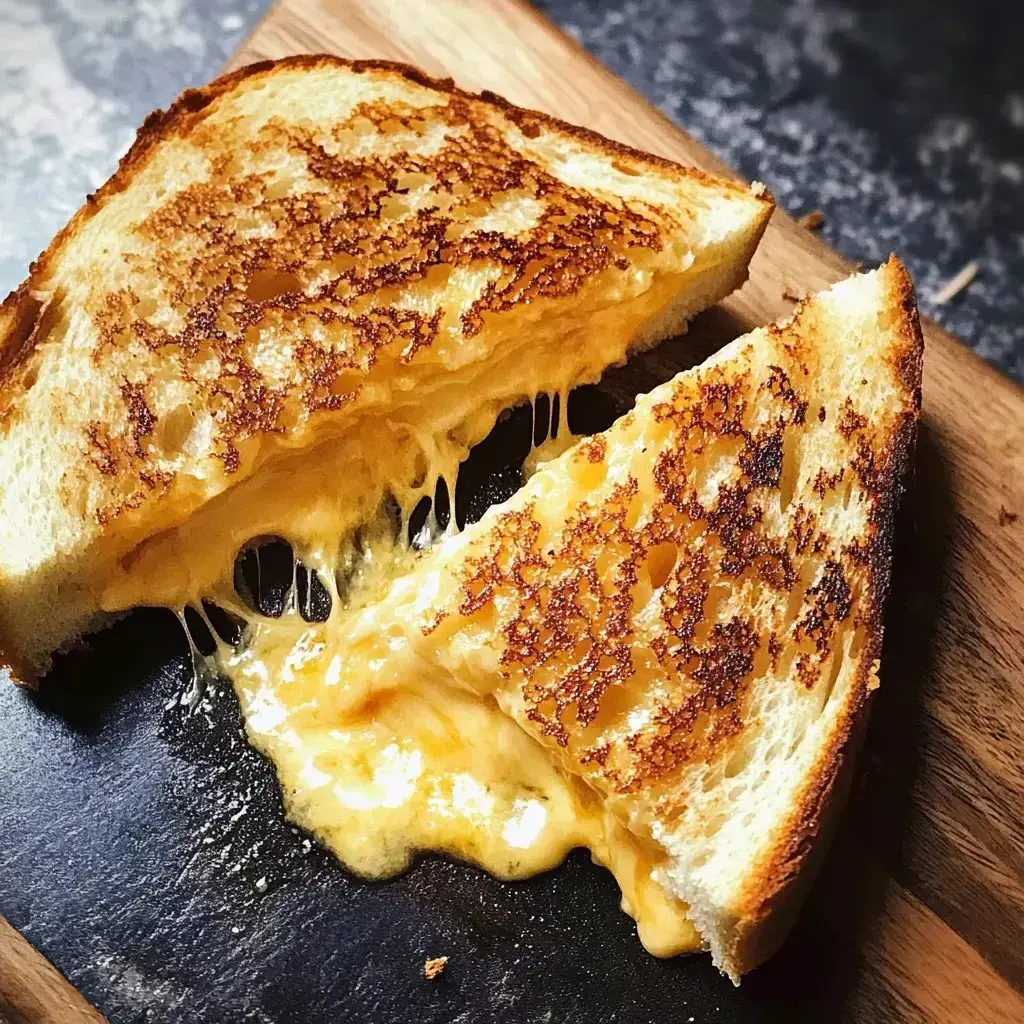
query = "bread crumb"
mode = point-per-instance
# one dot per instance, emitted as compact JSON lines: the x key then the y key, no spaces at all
{"x":873,"y":683}
{"x":759,"y":188}
{"x":957,"y":283}
{"x":434,"y":967}
{"x":1006,"y":517}
{"x":792,"y":293}
{"x":812,"y":220}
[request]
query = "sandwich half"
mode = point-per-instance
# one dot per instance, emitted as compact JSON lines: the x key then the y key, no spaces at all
{"x":685,"y":611}
{"x":309,"y":285}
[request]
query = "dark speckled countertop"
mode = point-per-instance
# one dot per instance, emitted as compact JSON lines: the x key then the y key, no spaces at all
{"x":902,"y":120}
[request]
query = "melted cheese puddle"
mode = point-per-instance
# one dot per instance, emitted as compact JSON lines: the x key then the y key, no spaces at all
{"x":383,"y":774}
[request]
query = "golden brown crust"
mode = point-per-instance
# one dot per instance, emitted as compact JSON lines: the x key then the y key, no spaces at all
{"x":773,"y":897}
{"x":189,"y":109}
{"x":198,"y":289}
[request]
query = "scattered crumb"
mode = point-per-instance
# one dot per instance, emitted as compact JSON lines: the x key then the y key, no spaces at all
{"x":759,"y":188}
{"x":1006,"y":517}
{"x":434,"y":967}
{"x":957,"y":283}
{"x":873,"y":683}
{"x":812,"y":220}
{"x":792,"y":293}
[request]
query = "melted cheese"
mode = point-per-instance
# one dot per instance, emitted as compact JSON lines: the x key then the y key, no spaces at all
{"x":379,"y":773}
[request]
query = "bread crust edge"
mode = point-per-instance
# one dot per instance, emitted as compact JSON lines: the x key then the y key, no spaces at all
{"x":769,"y":904}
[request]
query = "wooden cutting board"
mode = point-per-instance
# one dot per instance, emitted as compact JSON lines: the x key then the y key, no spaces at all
{"x":920,"y":907}
{"x":926,"y":883}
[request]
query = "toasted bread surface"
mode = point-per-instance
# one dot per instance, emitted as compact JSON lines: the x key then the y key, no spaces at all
{"x":687,"y":609}
{"x":294,"y":253}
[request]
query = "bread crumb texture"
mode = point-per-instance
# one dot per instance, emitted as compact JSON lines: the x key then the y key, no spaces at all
{"x":435,"y":967}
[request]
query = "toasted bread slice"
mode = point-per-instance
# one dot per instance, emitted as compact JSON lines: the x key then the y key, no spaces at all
{"x":311,"y":251}
{"x":687,"y":609}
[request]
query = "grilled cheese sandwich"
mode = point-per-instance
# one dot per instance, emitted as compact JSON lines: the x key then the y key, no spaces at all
{"x":309,"y":289}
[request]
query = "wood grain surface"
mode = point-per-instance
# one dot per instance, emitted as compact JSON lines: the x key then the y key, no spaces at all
{"x":33,"y":991}
{"x":919,"y":913}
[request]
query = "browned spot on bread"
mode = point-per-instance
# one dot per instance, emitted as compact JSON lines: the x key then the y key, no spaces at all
{"x":780,"y":385}
{"x":805,"y":523}
{"x":122,"y":456}
{"x":850,"y":421}
{"x":825,"y":481}
{"x":761,"y":458}
{"x":101,"y":451}
{"x":594,"y":448}
{"x":832,"y":600}
{"x":705,"y":718}
{"x":140,"y":417}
